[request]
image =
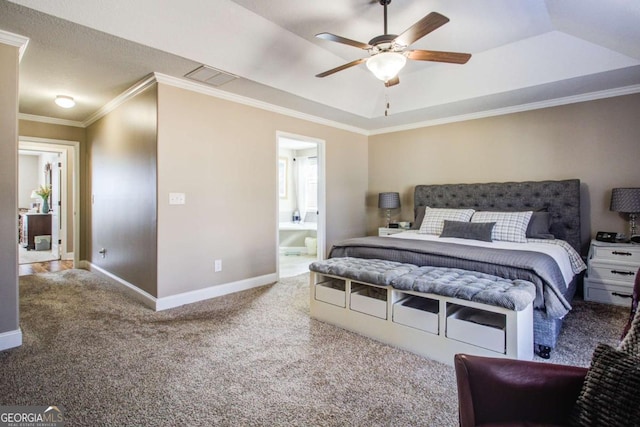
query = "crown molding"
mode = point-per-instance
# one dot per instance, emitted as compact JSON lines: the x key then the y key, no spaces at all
{"x":120,"y":99}
{"x":50,"y":120}
{"x":21,"y":42}
{"x":591,"y":96}
{"x":206,"y":90}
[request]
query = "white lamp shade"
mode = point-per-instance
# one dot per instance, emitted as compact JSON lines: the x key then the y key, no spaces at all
{"x":386,"y":65}
{"x":65,"y":101}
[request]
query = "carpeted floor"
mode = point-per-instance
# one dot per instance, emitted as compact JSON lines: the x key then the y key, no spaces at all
{"x":253,"y":359}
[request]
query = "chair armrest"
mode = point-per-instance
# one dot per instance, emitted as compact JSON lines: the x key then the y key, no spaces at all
{"x":493,"y":390}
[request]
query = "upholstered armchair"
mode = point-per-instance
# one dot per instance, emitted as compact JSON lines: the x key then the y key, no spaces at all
{"x":503,"y":392}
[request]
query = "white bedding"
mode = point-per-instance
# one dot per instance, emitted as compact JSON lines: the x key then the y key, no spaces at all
{"x":565,"y":256}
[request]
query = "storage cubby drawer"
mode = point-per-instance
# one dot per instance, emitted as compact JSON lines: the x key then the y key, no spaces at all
{"x":332,"y":291}
{"x":369,"y":300}
{"x":481,"y":328}
{"x":417,"y":312}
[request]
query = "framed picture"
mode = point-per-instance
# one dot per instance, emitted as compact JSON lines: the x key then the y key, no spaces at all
{"x":282,"y":177}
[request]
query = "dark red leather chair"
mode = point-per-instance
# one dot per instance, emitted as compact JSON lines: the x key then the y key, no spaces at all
{"x":496,"y":392}
{"x":505,"y":392}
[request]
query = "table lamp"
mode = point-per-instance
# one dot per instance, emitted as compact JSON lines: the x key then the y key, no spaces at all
{"x":389,"y":201}
{"x":627,"y":200}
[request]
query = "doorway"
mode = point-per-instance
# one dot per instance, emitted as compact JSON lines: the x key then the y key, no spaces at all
{"x":48,"y":163}
{"x":301,"y":198}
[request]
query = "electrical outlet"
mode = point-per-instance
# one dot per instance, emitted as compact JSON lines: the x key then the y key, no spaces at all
{"x":217,"y":265}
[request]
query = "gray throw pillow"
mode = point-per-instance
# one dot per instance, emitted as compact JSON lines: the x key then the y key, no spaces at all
{"x":468,"y":230}
{"x":609,"y":395}
{"x":538,"y":227}
{"x":419,"y":216}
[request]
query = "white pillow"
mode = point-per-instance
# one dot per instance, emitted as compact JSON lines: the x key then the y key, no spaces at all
{"x":510,"y":226}
{"x":433,"y":221}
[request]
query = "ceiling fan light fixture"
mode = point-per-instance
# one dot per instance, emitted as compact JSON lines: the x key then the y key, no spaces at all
{"x":386,"y":65}
{"x":65,"y":101}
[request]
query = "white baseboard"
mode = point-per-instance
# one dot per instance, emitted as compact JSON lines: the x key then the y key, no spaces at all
{"x":172,"y":301}
{"x":67,"y":256}
{"x":137,"y":293}
{"x":10,"y":339}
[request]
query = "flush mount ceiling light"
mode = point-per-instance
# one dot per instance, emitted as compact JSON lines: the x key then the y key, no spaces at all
{"x":65,"y":101}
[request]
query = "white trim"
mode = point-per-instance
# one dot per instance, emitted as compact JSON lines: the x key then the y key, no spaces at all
{"x":165,"y":303}
{"x":12,"y":39}
{"x":321,"y":232}
{"x":120,"y":99}
{"x":206,"y":90}
{"x":592,"y":96}
{"x":63,"y":144}
{"x":140,"y":295}
{"x":51,"y":120}
{"x":10,"y":339}
{"x":173,"y":301}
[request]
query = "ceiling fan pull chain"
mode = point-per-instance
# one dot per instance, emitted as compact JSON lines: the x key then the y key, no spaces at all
{"x":386,"y":97}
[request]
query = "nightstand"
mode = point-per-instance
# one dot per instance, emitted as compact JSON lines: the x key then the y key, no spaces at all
{"x":384,"y":231}
{"x":612,"y":268}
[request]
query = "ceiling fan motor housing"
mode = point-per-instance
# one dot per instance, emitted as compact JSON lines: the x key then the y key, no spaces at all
{"x":385,"y":43}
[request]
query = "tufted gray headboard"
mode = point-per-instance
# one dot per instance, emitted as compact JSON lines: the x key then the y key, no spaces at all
{"x":560,"y":198}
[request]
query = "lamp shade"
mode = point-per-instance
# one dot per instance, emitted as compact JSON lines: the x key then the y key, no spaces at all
{"x":625,"y":200}
{"x":389,"y":200}
{"x":386,"y":65}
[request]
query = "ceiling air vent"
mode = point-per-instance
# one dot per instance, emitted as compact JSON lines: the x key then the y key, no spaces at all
{"x":210,"y":76}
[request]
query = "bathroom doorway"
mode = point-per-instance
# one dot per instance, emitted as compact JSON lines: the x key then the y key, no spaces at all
{"x":301,"y":198}
{"x":49,"y":163}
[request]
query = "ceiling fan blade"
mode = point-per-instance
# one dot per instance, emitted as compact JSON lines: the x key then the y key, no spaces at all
{"x":343,"y":40}
{"x":342,"y":67}
{"x":394,"y":81}
{"x":429,"y":23}
{"x":437,"y":56}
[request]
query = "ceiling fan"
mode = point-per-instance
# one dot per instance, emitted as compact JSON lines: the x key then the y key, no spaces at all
{"x":389,"y":51}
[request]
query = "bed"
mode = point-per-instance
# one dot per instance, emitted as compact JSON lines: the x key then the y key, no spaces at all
{"x":548,"y":257}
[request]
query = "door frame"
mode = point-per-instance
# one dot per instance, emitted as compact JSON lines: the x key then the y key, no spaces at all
{"x":66,"y":147}
{"x":321,"y":232}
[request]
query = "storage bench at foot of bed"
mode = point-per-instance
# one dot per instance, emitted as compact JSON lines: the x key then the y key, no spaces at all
{"x":434,"y":326}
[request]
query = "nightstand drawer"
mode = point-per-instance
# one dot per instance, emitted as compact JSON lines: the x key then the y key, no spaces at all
{"x":619,"y":272}
{"x":629,"y":254}
{"x":608,"y":294}
{"x":384,"y":231}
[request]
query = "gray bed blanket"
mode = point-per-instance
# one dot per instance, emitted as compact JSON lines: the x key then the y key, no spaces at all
{"x":535,"y":267}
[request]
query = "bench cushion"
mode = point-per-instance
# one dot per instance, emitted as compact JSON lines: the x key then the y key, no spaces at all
{"x":453,"y":282}
{"x":468,"y":285}
{"x":374,"y":271}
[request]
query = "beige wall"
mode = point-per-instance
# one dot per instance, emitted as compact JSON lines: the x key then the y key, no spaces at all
{"x":223,"y":156}
{"x":8,"y":188}
{"x":597,"y":142}
{"x":121,"y":153}
{"x":29,"y":128}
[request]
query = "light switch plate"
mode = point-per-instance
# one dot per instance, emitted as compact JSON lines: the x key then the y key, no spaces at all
{"x":177,"y":198}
